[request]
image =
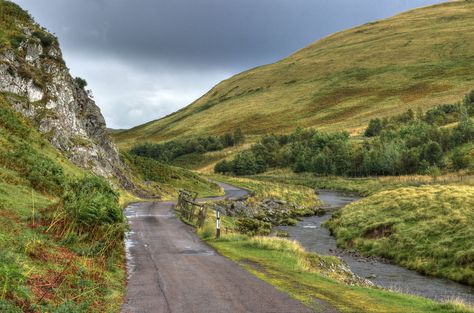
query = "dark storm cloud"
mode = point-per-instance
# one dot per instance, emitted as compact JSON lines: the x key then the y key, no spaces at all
{"x":146,"y":58}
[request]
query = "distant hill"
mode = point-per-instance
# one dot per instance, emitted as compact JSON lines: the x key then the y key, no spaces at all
{"x":417,"y":59}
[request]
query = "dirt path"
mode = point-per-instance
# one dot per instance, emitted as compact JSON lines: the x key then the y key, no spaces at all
{"x":172,"y":271}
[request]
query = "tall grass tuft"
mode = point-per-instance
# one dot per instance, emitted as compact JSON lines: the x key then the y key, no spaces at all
{"x":90,"y":212}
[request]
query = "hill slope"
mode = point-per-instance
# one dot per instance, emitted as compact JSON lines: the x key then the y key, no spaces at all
{"x":416,"y":59}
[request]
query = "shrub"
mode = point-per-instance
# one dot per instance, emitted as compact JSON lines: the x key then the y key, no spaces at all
{"x":46,"y":39}
{"x":91,"y":202}
{"x":11,"y":278}
{"x":7,"y":307}
{"x":374,"y":128}
{"x":81,"y":82}
{"x":11,"y":122}
{"x":46,"y":176}
{"x":253,"y":227}
{"x":433,"y":153}
{"x":17,"y":40}
{"x":223,"y":167}
{"x":90,"y":212}
{"x":460,"y":159}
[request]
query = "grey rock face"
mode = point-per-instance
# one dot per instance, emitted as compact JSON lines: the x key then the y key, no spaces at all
{"x":42,"y":89}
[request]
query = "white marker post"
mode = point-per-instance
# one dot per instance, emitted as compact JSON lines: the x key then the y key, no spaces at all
{"x":218,"y":223}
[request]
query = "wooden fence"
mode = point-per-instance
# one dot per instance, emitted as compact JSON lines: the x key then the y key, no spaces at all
{"x":190,"y":210}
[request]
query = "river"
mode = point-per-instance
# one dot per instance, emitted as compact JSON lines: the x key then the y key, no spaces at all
{"x":314,"y":237}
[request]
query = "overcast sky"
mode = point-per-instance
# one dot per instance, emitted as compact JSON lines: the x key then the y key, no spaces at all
{"x":144,"y":59}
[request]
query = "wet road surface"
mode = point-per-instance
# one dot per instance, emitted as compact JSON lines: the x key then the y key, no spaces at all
{"x":172,"y":271}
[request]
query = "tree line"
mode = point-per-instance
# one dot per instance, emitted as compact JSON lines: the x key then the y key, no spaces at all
{"x":170,"y":150}
{"x":408,"y":143}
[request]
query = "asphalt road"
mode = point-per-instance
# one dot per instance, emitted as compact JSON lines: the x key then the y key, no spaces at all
{"x":172,"y":271}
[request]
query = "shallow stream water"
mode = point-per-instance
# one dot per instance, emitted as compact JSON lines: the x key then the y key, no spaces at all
{"x":314,"y":237}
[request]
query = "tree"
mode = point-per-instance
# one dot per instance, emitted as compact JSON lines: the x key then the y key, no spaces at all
{"x":239,"y":137}
{"x":459,"y":159}
{"x":322,"y":164}
{"x":464,"y":132}
{"x":433,"y":153}
{"x":224,"y":167}
{"x":245,"y":164}
{"x":409,"y":160}
{"x":469,"y":102}
{"x":375,"y":128}
{"x":227,"y":140}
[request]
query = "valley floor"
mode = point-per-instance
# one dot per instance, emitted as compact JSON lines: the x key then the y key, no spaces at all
{"x":171,"y":269}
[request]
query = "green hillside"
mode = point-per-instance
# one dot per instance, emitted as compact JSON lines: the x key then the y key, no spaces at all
{"x":417,"y":59}
{"x":46,"y":262}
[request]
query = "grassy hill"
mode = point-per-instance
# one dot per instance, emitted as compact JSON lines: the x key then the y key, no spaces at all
{"x":417,"y":59}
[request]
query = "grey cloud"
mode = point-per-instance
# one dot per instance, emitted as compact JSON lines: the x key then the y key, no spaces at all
{"x":146,"y":58}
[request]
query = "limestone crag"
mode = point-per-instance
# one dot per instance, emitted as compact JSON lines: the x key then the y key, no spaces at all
{"x":37,"y":82}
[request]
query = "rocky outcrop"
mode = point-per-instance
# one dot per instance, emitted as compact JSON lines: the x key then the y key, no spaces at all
{"x":36,"y":81}
{"x":273,"y":211}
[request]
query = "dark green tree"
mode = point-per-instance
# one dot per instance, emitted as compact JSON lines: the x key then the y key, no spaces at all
{"x":375,"y":128}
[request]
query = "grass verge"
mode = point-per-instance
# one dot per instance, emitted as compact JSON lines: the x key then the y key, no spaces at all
{"x":285,"y":265}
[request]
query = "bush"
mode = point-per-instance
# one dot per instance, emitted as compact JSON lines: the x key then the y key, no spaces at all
{"x":460,"y":159}
{"x":46,"y":39}
{"x":46,"y":176}
{"x":17,"y":40}
{"x":253,"y":227}
{"x":90,"y":212}
{"x":7,"y":307}
{"x":91,"y":202}
{"x":81,"y":82}
{"x":11,"y":122}
{"x":433,"y":153}
{"x":223,"y":167}
{"x":374,"y":128}
{"x":11,"y":279}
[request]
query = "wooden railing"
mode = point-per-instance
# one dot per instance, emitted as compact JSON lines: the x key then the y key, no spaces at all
{"x":190,"y":210}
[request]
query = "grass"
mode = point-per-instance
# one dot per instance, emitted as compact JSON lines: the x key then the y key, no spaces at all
{"x":299,"y":195}
{"x":429,"y":229}
{"x":307,"y":277}
{"x":39,"y":273}
{"x":205,"y":162}
{"x":363,"y":186}
{"x":417,"y":59}
{"x":167,"y":179}
{"x":42,"y":271}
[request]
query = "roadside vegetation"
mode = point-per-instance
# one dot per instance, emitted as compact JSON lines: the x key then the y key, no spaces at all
{"x":61,"y":229}
{"x":308,"y":276}
{"x":429,"y":229}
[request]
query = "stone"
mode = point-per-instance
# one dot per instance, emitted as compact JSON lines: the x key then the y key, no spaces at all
{"x":58,"y":107}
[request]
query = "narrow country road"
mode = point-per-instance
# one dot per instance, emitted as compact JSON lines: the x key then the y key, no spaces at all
{"x":172,"y":271}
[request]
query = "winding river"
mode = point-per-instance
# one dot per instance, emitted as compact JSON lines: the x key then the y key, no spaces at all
{"x":314,"y":237}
